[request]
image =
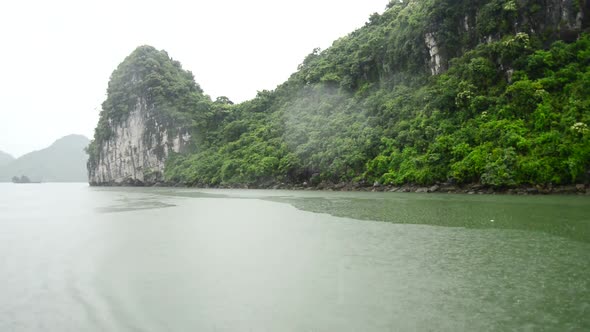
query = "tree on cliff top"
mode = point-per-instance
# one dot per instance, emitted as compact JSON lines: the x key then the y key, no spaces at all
{"x":149,"y":78}
{"x":156,"y":78}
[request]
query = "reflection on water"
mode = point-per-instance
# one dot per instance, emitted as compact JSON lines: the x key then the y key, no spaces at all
{"x":556,"y":215}
{"x":132,"y":203}
{"x":244,"y":260}
{"x":566,"y":216}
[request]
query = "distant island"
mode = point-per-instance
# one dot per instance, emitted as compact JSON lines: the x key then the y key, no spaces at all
{"x":5,"y":158}
{"x":23,"y":179}
{"x":62,"y":161}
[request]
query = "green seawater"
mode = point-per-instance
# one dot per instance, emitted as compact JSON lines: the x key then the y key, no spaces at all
{"x":76,"y":258}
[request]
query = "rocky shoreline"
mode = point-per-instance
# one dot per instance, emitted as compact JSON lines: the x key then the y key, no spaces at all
{"x":470,"y":189}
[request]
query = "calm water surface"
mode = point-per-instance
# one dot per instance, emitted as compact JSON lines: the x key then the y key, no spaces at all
{"x":75,"y":258}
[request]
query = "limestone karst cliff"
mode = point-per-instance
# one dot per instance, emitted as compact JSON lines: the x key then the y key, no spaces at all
{"x":487,"y":92}
{"x":136,"y":151}
{"x":146,"y":117}
{"x":456,"y":26}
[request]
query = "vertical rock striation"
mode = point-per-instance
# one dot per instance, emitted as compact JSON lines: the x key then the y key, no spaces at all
{"x":433,"y":50}
{"x":150,"y":108}
{"x":136,"y":152}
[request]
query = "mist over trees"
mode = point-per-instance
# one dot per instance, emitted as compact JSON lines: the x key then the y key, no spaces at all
{"x":427,"y":92}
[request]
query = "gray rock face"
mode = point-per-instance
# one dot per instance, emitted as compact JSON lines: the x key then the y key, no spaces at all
{"x":556,"y":19}
{"x":433,"y":51}
{"x":136,"y":152}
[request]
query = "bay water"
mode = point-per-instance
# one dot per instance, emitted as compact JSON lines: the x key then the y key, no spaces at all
{"x":79,"y":258}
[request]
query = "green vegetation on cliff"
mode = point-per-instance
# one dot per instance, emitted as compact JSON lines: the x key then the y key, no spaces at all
{"x":150,"y":79}
{"x":492,"y":91}
{"x":508,"y":111}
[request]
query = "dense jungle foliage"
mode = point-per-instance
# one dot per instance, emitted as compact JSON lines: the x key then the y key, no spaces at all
{"x":511,"y":106}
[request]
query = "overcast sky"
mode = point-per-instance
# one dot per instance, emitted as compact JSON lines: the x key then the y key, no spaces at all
{"x":56,"y":56}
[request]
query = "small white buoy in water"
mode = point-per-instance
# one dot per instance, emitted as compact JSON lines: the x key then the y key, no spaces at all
{"x":491,"y":220}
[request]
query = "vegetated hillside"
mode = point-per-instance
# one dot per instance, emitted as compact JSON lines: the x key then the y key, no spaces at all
{"x":152,"y":107}
{"x":493,"y":92}
{"x":63,"y":161}
{"x":5,"y":158}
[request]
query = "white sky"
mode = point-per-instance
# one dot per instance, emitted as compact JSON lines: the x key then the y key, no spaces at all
{"x":56,"y":56}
